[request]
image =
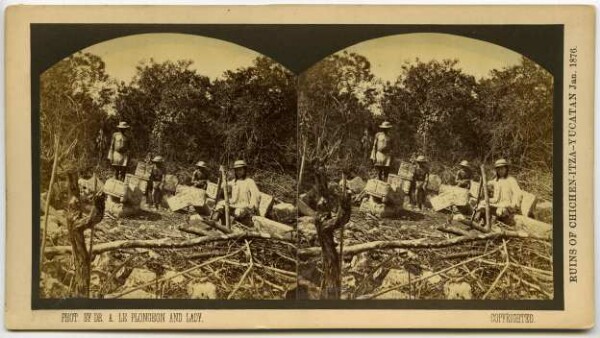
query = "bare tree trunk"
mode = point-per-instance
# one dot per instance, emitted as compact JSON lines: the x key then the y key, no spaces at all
{"x":326,"y":227}
{"x":81,"y":257}
{"x":330,"y":281}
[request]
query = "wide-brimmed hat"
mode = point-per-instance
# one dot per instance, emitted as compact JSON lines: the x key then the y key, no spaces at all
{"x":239,"y":164}
{"x":123,"y":125}
{"x":201,"y":164}
{"x":421,"y":158}
{"x":157,"y":159}
{"x":385,"y":125}
{"x":501,"y":163}
{"x":465,"y":163}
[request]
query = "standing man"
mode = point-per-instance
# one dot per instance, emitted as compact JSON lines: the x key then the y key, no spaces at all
{"x":156,"y":182}
{"x":244,"y":198}
{"x":200,"y":175}
{"x":118,"y":152}
{"x":421,"y":179}
{"x":464,"y":175}
{"x":381,"y":152}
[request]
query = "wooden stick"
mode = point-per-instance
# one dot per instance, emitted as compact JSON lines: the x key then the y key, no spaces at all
{"x":48,"y":198}
{"x":486,"y":196}
{"x":302,"y":163}
{"x":226,"y":197}
{"x":342,"y":228}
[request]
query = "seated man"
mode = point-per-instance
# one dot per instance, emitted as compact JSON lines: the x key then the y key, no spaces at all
{"x":244,"y":198}
{"x":200,"y":175}
{"x":464,"y":175}
{"x":507,"y":194}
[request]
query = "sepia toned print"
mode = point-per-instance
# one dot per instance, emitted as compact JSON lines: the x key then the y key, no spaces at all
{"x":428,"y":172}
{"x":139,"y":136}
{"x":299,"y":167}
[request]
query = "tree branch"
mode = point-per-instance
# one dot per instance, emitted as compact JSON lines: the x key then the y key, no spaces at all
{"x":421,"y":243}
{"x":166,"y":243}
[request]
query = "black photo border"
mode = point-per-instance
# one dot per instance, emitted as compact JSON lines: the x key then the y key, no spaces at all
{"x":297,"y":47}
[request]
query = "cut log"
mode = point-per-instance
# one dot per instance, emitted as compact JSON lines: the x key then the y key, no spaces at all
{"x":532,"y":226}
{"x":304,"y":209}
{"x":167,"y":243}
{"x":264,"y":224}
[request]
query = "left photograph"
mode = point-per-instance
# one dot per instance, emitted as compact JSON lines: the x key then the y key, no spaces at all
{"x":167,"y":170}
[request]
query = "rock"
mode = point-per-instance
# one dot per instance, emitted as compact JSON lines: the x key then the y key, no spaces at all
{"x":460,"y":290}
{"x":264,"y":224}
{"x":360,"y":261}
{"x":138,"y":277}
{"x":356,"y":184}
{"x":176,"y":280}
{"x":434,"y":183}
{"x":197,"y":221}
{"x":202,"y":291}
{"x":395,"y":277}
{"x":349,"y":281}
{"x":284,"y":212}
{"x":306,"y":227}
{"x":102,"y":261}
{"x":52,"y":288}
{"x":543,"y":211}
{"x":89,"y":187}
{"x":171,"y":182}
{"x":459,"y":217}
{"x":56,"y":227}
{"x":432,"y":280}
{"x":394,"y":294}
{"x":116,"y":209}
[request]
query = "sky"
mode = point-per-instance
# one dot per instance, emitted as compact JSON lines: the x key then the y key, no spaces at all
{"x":211,"y":56}
{"x":475,"y":57}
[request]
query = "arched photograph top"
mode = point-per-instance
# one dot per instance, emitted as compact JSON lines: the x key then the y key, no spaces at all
{"x":431,"y":145}
{"x":165,"y":143}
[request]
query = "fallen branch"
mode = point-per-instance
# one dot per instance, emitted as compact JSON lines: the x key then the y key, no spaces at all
{"x":422,"y":243}
{"x":398,"y":286}
{"x":163,"y":279}
{"x":167,"y":243}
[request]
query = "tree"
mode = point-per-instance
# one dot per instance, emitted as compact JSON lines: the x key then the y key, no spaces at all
{"x":255,"y":114}
{"x":75,"y":97}
{"x":168,"y":107}
{"x":517,"y":114}
{"x":433,"y":105}
{"x":337,"y":97}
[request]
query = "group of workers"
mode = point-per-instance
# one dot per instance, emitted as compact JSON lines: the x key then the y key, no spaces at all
{"x":506,"y":193}
{"x":243,"y":193}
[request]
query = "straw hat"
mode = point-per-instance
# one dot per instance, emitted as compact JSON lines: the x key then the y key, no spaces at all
{"x":123,"y":125}
{"x":201,"y":164}
{"x":239,"y":164}
{"x":421,"y":158}
{"x":385,"y":125}
{"x":157,"y":159}
{"x":465,"y":163}
{"x":501,"y":163}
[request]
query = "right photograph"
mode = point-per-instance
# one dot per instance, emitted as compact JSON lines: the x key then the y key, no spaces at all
{"x":425,"y":172}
